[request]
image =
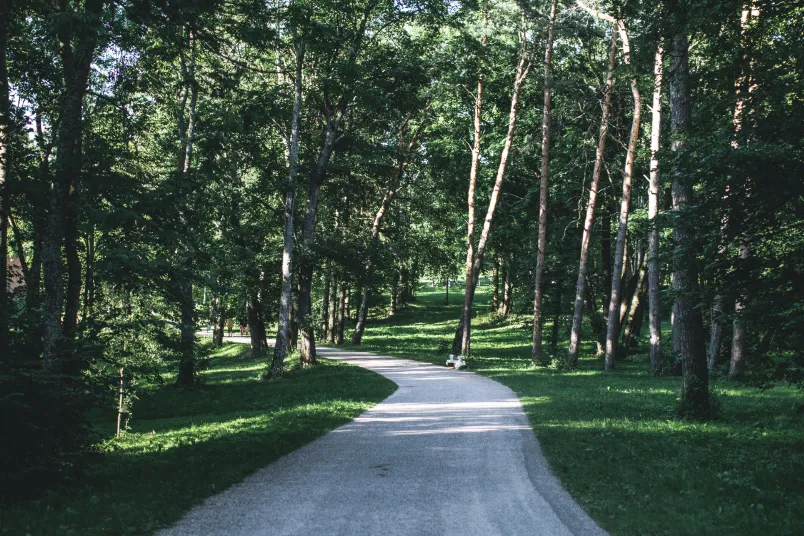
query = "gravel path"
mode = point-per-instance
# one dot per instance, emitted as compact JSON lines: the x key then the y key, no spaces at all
{"x":449,"y":453}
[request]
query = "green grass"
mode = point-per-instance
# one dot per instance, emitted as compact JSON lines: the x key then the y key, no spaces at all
{"x":612,"y":437}
{"x":184,"y":447}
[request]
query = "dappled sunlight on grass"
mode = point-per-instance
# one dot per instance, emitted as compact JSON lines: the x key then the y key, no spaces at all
{"x":186,"y":446}
{"x":612,"y":438}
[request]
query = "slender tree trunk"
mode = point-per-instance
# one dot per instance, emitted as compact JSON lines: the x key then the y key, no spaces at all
{"x":62,"y":225}
{"x":605,"y":251}
{"x":120,"y":400}
{"x":333,"y":300}
{"x":89,"y":277}
{"x":187,"y":365}
{"x":556,"y":319}
{"x":446,"y":292}
{"x":307,"y":347}
{"x":654,"y":275}
{"x":522,"y":71}
{"x":634,"y":307}
{"x":5,"y":157}
{"x":744,"y":87}
{"x":253,"y":313}
{"x":470,"y":224}
{"x":187,"y":372}
{"x":390,"y":195}
{"x":580,"y":291}
{"x":508,"y":289}
{"x":282,"y":333}
{"x":688,"y":321}
{"x":495,"y":282}
{"x":630,"y":286}
{"x":613,"y":333}
{"x":341,"y":313}
{"x":596,"y":320}
{"x":716,"y":334}
{"x":394,"y":296}
{"x":325,"y":306}
{"x":737,"y":359}
{"x":536,"y":352}
{"x":219,"y":324}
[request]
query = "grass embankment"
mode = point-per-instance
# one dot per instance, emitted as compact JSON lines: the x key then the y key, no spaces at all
{"x":613,"y":440}
{"x":184,"y":447}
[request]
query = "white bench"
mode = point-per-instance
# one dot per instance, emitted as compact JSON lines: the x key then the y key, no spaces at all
{"x":456,"y":362}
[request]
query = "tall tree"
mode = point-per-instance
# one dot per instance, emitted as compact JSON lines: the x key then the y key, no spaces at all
{"x":5,"y":197}
{"x":470,"y":213}
{"x":688,"y":325}
{"x":523,"y":68}
{"x":536,"y":353}
{"x":654,"y":189}
{"x":589,"y":221}
{"x":281,"y":345}
{"x":613,"y":328}
{"x":78,"y":35}
{"x":745,"y":85}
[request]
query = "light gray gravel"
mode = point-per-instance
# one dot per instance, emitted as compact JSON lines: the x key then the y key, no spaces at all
{"x":449,"y":453}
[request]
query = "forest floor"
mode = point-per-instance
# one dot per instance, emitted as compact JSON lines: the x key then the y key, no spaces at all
{"x":185,"y":446}
{"x":612,"y":438}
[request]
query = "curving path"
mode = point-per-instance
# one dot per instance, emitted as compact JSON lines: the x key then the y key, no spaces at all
{"x":449,"y":453}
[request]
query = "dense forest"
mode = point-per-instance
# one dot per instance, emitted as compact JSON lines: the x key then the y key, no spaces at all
{"x":300,"y":167}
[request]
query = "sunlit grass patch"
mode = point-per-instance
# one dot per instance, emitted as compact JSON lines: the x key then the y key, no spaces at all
{"x":613,"y":439}
{"x":184,"y":447}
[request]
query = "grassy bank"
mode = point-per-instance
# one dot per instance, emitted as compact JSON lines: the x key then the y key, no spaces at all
{"x":184,"y":447}
{"x":613,"y":440}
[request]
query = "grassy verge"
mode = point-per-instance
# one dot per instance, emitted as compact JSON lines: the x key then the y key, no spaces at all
{"x":184,"y":447}
{"x":611,"y":437}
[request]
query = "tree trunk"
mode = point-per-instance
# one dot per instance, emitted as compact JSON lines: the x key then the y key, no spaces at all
{"x":187,"y":365}
{"x":688,"y":321}
{"x":283,"y":329}
{"x":333,"y":300}
{"x":253,"y":313}
{"x":613,"y":332}
{"x":325,"y":306}
{"x":636,"y":306}
{"x":595,"y":320}
{"x":307,"y":347}
{"x":716,"y":334}
{"x":220,"y":321}
{"x":580,"y":292}
{"x":536,"y":352}
{"x":341,"y":313}
{"x":62,"y":225}
{"x":744,"y":87}
{"x":522,"y":71}
{"x":5,"y":156}
{"x":737,"y":359}
{"x":394,"y":296}
{"x":654,"y":275}
{"x":495,"y":288}
{"x":508,"y":289}
{"x":556,"y":320}
{"x":605,"y":251}
{"x":187,"y":372}
{"x":120,"y":398}
{"x":390,"y":195}
{"x":470,"y":217}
